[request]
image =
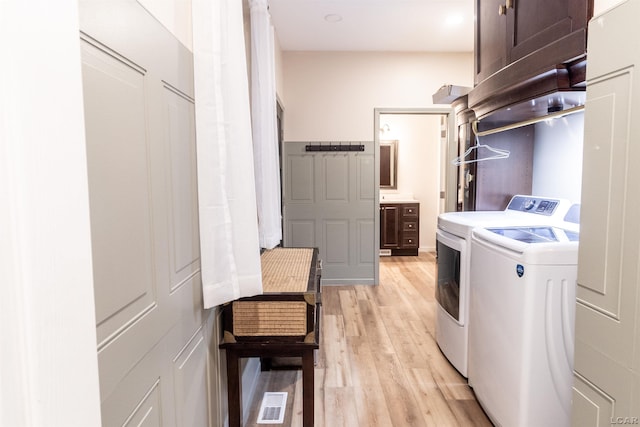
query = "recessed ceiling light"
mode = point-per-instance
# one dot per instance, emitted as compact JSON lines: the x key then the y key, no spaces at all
{"x":454,"y":20}
{"x":333,"y":17}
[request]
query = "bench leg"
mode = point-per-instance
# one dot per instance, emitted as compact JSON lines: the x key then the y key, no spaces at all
{"x":233,"y":389}
{"x":307,"y":388}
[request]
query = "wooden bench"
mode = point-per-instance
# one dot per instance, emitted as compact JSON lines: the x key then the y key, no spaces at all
{"x":282,"y":322}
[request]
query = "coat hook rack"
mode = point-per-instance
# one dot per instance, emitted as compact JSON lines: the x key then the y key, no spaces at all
{"x":334,"y":147}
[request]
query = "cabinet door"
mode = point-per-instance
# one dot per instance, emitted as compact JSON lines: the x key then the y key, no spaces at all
{"x":535,"y":24}
{"x":491,"y":39}
{"x":389,"y":227}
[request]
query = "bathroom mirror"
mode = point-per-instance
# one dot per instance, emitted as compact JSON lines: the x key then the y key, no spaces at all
{"x":389,"y":164}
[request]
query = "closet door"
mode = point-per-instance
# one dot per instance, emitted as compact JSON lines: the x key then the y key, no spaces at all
{"x":607,"y":352}
{"x":154,"y":338}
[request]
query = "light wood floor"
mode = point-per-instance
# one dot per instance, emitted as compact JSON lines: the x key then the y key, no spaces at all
{"x":378,"y":363}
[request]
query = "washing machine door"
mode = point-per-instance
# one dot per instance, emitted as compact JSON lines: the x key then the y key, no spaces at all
{"x":527,"y":234}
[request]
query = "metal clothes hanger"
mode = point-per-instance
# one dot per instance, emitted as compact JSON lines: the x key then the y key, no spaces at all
{"x":498,"y":153}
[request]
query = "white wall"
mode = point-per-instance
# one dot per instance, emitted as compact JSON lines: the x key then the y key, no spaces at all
{"x":49,"y":370}
{"x":557,"y":158}
{"x":279,"y":68}
{"x":330,"y":96}
{"x":600,"y":6}
{"x":175,"y":15}
{"x":418,"y":138}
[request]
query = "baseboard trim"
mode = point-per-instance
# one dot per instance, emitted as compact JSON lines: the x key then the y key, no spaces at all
{"x":339,"y":282}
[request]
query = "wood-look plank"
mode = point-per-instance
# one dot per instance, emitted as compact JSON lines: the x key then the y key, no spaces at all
{"x":401,"y":402}
{"x":370,"y":400}
{"x":363,"y":365}
{"x":371,"y":407}
{"x":375,"y":327}
{"x":340,"y":407}
{"x":353,"y":324}
{"x":379,"y":364}
{"x":296,"y":400}
{"x":330,"y":300}
{"x":469,"y":413}
{"x":318,"y":398}
{"x":432,"y":403}
{"x":403,"y":339}
{"x":336,"y":360}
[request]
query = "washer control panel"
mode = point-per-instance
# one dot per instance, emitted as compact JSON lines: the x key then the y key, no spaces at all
{"x":534,"y":205}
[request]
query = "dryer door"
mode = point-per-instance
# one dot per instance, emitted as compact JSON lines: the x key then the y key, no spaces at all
{"x":450,"y":254}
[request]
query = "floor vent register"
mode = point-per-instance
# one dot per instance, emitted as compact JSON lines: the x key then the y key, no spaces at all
{"x":272,"y":408}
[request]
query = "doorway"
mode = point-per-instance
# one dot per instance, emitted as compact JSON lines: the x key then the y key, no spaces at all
{"x":424,"y":147}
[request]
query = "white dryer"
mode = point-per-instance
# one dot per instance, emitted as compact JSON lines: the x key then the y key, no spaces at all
{"x":453,"y":244}
{"x":522,"y":323}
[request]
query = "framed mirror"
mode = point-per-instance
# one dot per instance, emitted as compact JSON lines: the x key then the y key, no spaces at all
{"x":389,"y":164}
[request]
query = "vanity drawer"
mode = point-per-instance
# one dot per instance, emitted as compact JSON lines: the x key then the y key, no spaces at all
{"x":410,"y":240}
{"x":410,"y":226}
{"x":410,"y":210}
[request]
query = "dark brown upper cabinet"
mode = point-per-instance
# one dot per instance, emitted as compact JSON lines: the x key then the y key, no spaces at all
{"x":541,"y":23}
{"x":527,"y":48}
{"x":490,"y":39}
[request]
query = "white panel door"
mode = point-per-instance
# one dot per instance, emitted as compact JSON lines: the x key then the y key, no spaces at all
{"x":329,"y":204}
{"x":607,"y":353}
{"x":157,"y":353}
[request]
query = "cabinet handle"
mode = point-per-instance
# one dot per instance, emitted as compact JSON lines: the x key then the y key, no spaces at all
{"x":502,"y":9}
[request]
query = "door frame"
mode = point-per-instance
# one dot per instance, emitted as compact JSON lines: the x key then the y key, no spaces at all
{"x":449,"y":186}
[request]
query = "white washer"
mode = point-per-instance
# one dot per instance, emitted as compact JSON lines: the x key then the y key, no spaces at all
{"x":522,"y":323}
{"x":453,"y":244}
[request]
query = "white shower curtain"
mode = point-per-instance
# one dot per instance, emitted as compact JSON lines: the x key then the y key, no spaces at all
{"x":264,"y":124}
{"x":230,"y":249}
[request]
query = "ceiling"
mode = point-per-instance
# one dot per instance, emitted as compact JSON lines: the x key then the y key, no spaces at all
{"x":374,"y":25}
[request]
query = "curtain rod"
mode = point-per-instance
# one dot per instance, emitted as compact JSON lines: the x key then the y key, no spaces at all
{"x":474,"y":124}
